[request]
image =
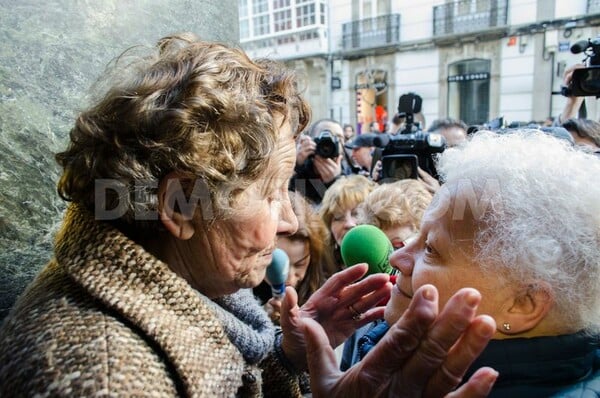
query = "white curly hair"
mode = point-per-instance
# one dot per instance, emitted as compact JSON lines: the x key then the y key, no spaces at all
{"x":542,"y":219}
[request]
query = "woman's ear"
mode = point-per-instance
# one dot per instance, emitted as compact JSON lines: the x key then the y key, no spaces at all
{"x":526,"y":309}
{"x":174,"y":210}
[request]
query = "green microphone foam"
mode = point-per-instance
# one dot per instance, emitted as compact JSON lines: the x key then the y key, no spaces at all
{"x":367,"y":244}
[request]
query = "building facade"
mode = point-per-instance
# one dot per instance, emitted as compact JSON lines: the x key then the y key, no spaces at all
{"x":474,"y":60}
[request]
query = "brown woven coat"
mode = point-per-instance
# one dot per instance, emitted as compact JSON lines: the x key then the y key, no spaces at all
{"x":105,"y":318}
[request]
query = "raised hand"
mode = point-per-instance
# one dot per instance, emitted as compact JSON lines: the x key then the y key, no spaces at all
{"x":425,"y":354}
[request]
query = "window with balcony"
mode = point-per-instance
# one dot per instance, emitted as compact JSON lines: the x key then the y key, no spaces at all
{"x":465,"y":16}
{"x":371,"y":32}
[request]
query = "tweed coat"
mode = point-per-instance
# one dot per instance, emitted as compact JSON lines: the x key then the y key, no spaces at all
{"x":106,"y":318}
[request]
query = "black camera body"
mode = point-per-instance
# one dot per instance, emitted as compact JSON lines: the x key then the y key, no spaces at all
{"x":403,"y":153}
{"x":328,"y":145}
{"x":585,"y":81}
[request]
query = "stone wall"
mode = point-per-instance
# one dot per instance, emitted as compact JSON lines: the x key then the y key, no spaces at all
{"x":51,"y":53}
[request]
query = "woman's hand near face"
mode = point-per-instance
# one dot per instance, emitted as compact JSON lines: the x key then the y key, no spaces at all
{"x":423,"y":354}
{"x":330,"y":307}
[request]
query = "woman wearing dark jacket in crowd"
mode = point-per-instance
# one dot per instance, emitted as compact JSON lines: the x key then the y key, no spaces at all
{"x":177,"y":179}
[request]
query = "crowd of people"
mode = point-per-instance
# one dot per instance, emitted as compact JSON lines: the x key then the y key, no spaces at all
{"x":495,"y":288}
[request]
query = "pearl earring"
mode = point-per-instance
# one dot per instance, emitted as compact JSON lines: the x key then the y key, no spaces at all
{"x":506,"y":326}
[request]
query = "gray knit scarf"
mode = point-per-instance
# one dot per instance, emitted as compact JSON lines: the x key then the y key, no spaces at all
{"x":246,"y":324}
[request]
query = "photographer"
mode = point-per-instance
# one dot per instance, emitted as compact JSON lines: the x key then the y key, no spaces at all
{"x":319,"y":160}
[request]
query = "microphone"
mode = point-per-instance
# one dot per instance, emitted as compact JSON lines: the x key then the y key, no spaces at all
{"x":277,"y":273}
{"x":367,"y":244}
{"x":381,"y":140}
{"x":579,"y":46}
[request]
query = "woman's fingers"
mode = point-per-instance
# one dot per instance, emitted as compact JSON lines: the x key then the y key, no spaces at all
{"x":321,"y":360}
{"x":452,"y":322}
{"x":400,"y":344}
{"x":479,"y":384}
{"x":462,"y":355}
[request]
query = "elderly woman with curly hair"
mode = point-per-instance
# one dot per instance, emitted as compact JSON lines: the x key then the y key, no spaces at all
{"x":518,"y":218}
{"x":177,"y":178}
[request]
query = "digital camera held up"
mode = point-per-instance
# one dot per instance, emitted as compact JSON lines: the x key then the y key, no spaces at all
{"x":585,"y":81}
{"x":328,"y":145}
{"x":403,"y":153}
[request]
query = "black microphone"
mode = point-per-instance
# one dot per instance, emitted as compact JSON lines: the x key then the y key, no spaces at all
{"x":580,"y":46}
{"x":381,"y":140}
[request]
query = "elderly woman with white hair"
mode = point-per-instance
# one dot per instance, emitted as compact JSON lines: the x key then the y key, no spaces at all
{"x":518,"y":218}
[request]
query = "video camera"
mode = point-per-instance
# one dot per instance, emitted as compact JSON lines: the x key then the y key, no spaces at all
{"x":401,"y":154}
{"x":585,"y":81}
{"x":328,"y":145}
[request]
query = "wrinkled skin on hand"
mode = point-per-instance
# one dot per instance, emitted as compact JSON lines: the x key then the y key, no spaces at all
{"x":426,"y":352}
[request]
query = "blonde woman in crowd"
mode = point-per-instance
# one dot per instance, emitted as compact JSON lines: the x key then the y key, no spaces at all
{"x":396,"y":208}
{"x":339,"y":209}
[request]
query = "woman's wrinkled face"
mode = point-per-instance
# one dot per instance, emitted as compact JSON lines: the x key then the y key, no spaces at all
{"x":442,"y":255}
{"x":299,"y":254}
{"x":238,"y":250}
{"x":343,"y":220}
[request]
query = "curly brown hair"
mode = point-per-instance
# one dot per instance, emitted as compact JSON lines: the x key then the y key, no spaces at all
{"x":201,"y":109}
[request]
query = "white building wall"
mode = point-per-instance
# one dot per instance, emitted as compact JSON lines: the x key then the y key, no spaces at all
{"x":516,"y":82}
{"x":417,"y":71}
{"x":569,"y":8}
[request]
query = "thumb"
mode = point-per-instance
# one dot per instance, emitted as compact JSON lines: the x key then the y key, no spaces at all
{"x":289,"y":306}
{"x":321,"y":360}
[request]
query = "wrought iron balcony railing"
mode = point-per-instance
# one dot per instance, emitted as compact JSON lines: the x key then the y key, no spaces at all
{"x":593,"y":6}
{"x":371,"y":32}
{"x":466,"y":16}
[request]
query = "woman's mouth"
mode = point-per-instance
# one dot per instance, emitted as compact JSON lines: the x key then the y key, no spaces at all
{"x":402,"y":292}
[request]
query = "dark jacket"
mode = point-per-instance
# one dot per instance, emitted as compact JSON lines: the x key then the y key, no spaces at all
{"x":554,"y":366}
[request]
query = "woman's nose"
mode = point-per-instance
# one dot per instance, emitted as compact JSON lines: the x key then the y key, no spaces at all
{"x":288,"y":223}
{"x":349,"y":221}
{"x":403,"y":260}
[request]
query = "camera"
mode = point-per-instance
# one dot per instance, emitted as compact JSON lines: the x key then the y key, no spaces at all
{"x":403,"y":153}
{"x":328,"y":145}
{"x":585,"y":81}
